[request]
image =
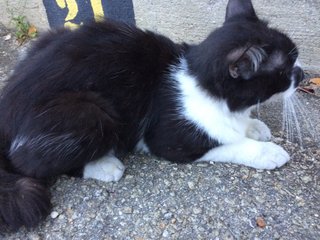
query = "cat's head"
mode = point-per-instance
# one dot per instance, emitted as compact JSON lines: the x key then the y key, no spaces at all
{"x":245,"y":62}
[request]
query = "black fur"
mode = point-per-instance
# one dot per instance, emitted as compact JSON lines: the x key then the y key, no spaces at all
{"x":79,"y":94}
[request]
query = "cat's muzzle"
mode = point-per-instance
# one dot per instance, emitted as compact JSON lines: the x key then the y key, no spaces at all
{"x":297,"y":75}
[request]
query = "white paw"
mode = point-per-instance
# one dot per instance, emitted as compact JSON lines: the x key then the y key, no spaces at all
{"x":107,"y":169}
{"x":270,"y":156}
{"x":258,"y":130}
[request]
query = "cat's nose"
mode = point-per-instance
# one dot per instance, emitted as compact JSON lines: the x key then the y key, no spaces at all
{"x":297,"y":75}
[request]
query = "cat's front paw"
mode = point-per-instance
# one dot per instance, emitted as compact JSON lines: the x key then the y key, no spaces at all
{"x":106,"y":169}
{"x":258,"y":130}
{"x":270,"y":156}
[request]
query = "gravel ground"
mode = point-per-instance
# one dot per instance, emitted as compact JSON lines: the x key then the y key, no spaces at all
{"x":160,"y":200}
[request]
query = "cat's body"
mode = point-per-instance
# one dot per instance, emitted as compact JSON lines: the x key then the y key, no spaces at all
{"x":83,"y":98}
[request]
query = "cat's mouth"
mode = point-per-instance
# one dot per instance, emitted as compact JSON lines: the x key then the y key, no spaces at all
{"x":296,"y":76}
{"x":290,"y":91}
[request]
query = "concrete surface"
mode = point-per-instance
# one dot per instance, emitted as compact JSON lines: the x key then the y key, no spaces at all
{"x":160,"y":200}
{"x":32,"y":9}
{"x":192,"y":20}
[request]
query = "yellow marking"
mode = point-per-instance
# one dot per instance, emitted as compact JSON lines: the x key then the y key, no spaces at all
{"x":97,"y":9}
{"x":71,"y":25}
{"x":73,"y":10}
{"x":61,"y":3}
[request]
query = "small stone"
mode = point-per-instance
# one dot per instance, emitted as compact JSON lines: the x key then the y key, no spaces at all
{"x":276,"y":235}
{"x":162,"y":225}
{"x":306,"y":179}
{"x":127,"y":210}
{"x":139,"y":238}
{"x":54,"y":214}
{"x":128,"y":177}
{"x":168,"y":215}
{"x":301,"y":202}
{"x":34,"y":236}
{"x":166,"y":182}
{"x":257,"y":176}
{"x":197,"y":210}
{"x":191,"y":185}
{"x":261,"y":223}
{"x":69,"y":213}
{"x":165,"y":234}
{"x":278,"y":140}
{"x":203,"y":165}
{"x":7,"y":37}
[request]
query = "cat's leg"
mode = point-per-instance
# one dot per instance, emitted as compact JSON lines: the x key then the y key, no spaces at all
{"x":108,"y":168}
{"x":260,"y":155}
{"x":258,"y":130}
{"x":65,"y":135}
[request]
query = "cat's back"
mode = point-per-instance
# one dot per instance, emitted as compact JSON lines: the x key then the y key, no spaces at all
{"x":118,"y":63}
{"x":98,"y":57}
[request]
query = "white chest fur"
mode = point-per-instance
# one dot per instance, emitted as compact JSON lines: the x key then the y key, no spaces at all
{"x":242,"y":138}
{"x":208,"y":113}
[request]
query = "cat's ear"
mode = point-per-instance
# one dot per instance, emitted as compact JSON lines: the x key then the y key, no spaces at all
{"x":240,"y":8}
{"x":244,"y":62}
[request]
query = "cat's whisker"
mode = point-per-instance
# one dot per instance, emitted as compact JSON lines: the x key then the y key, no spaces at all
{"x":290,"y":125}
{"x":292,"y":34}
{"x":284,"y":118}
{"x":295,"y":118}
{"x":293,"y":52}
{"x":258,"y":106}
{"x":303,"y":112}
{"x":296,"y":122}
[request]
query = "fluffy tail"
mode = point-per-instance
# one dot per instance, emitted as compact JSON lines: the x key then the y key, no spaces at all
{"x":24,"y":201}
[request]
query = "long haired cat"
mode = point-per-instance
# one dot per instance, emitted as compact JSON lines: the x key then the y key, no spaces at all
{"x":83,"y":98}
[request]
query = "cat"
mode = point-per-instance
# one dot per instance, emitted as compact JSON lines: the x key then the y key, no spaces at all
{"x":84,"y":98}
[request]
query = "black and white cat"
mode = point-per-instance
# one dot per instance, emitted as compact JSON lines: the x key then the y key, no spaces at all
{"x":81,"y":99}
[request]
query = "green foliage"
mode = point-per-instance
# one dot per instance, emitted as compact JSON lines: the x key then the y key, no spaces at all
{"x":24,"y":30}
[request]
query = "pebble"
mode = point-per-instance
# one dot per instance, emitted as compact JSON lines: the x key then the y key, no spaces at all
{"x":172,"y":194}
{"x":127,"y":210}
{"x":167,"y":183}
{"x":34,"y":236}
{"x":203,"y":165}
{"x":54,"y":214}
{"x":128,"y":177}
{"x":306,"y":179}
{"x":278,"y":140}
{"x":168,"y":215}
{"x":197,"y":210}
{"x":165,"y":234}
{"x":191,"y":185}
{"x":7,"y":37}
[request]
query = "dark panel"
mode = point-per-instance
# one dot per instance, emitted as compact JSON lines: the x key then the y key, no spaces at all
{"x":75,"y":12}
